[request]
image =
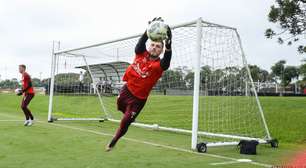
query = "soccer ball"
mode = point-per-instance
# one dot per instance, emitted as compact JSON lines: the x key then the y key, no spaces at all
{"x":157,"y":31}
{"x":18,"y":91}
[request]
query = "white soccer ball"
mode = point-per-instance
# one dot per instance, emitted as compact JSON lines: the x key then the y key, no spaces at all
{"x":157,"y":31}
{"x":18,"y":91}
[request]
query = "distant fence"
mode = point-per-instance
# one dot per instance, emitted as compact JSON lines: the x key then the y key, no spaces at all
{"x":83,"y":89}
{"x":38,"y":90}
{"x":280,"y":94}
{"x":189,"y":92}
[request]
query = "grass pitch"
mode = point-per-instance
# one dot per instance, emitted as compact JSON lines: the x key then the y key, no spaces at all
{"x":81,"y":144}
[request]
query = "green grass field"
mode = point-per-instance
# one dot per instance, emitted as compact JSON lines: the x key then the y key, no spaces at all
{"x":81,"y":144}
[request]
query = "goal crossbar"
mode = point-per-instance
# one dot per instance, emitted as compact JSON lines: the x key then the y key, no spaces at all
{"x":205,"y":24}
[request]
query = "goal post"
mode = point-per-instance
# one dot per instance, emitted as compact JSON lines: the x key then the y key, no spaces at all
{"x":51,"y":85}
{"x":67,"y":87}
{"x":207,"y":93}
{"x":253,"y":87}
{"x":196,"y":91}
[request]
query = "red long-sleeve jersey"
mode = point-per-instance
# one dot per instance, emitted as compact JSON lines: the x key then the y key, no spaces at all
{"x":27,"y":83}
{"x":142,"y":75}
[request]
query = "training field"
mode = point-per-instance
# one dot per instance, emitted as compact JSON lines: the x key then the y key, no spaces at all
{"x":81,"y":144}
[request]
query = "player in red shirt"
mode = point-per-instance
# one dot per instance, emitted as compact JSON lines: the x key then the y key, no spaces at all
{"x":28,"y":94}
{"x":140,"y":78}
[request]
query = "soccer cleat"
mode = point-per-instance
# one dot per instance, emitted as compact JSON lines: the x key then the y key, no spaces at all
{"x":30,"y":123}
{"x":108,"y":148}
{"x":26,"y":122}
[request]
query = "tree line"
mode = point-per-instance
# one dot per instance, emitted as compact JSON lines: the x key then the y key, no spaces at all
{"x":183,"y":78}
{"x":281,"y":74}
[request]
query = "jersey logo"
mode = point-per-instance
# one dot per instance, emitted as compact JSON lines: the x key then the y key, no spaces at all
{"x":144,"y":72}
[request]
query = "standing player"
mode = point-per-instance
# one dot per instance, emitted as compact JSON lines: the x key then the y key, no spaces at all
{"x":140,"y":77}
{"x":28,"y":94}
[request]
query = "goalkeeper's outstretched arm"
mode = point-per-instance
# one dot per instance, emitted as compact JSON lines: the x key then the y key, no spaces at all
{"x":141,"y":45}
{"x":165,"y":61}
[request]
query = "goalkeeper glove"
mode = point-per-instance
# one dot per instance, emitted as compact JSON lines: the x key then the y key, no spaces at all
{"x":156,"y":19}
{"x":169,"y":39}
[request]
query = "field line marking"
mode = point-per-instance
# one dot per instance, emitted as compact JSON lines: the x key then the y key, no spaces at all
{"x":224,"y":163}
{"x":10,"y":120}
{"x":232,"y":162}
{"x":157,"y":145}
{"x":144,"y":142}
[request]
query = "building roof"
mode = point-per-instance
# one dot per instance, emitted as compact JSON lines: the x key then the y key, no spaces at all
{"x":111,"y":71}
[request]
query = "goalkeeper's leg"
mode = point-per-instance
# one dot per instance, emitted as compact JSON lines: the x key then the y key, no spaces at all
{"x":130,"y":107}
{"x":24,"y":106}
{"x":128,"y":118}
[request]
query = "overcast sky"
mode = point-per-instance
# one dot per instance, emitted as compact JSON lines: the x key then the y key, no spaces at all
{"x":28,"y":27}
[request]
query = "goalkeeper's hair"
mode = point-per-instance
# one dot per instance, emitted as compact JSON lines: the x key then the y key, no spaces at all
{"x":161,"y":42}
{"x":23,"y":66}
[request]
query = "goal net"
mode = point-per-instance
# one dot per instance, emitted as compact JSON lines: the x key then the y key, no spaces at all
{"x":207,"y":91}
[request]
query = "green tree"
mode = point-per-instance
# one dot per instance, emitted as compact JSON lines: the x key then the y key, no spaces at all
{"x":9,"y":84}
{"x":67,"y":78}
{"x":278,"y":69}
{"x":36,"y":82}
{"x":290,"y":15}
{"x":172,"y":79}
{"x":302,"y":70}
{"x":284,"y":73}
{"x":87,"y":77}
{"x":259,"y":74}
{"x":205,"y":74}
{"x":189,"y":78}
{"x":290,"y":73}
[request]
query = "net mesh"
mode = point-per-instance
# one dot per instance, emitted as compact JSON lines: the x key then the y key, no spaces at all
{"x":227,"y":98}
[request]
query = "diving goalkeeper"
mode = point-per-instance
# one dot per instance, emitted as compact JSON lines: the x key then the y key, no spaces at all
{"x":140,"y":77}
